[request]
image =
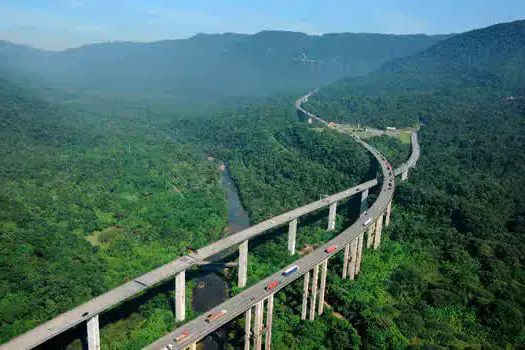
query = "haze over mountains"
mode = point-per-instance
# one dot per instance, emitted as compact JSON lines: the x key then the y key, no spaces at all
{"x":89,"y":187}
{"x":204,"y":66}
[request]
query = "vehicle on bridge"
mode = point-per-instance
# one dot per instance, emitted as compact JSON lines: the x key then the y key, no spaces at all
{"x":330,"y":248}
{"x":179,"y":338}
{"x":290,"y":270}
{"x":367,"y":222}
{"x":215,"y":315}
{"x":272,"y":285}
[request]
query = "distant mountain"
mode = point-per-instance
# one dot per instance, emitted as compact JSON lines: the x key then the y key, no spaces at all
{"x":215,"y":65}
{"x":462,"y":203}
{"x":497,"y":51}
{"x":492,"y":56}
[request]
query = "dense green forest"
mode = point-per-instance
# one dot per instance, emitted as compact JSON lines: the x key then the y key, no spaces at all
{"x":95,"y":195}
{"x":97,"y":191}
{"x":451,"y":270}
{"x":82,"y":192}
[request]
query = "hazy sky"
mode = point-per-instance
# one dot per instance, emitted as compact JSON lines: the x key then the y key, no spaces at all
{"x":58,"y":24}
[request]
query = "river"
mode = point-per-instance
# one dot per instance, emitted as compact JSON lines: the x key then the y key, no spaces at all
{"x":210,"y":287}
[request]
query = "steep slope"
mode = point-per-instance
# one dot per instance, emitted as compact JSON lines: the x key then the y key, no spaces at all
{"x":81,"y":192}
{"x":215,"y":65}
{"x":498,"y":51}
{"x":459,"y":222}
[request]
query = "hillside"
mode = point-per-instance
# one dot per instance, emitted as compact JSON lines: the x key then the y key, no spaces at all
{"x":492,"y":58}
{"x":206,"y":66}
{"x":81,"y":193}
{"x":459,"y":222}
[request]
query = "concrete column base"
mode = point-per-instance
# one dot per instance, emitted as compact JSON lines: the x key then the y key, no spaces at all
{"x":269,"y":318}
{"x":292,"y":231}
{"x":359,"y":253}
{"x":379,"y":228}
{"x":247,"y":329}
{"x":313,"y":297}
{"x":324,"y":269}
{"x":387,"y":217}
{"x":353,"y":258}
{"x":180,"y":296}
{"x":306,"y":286}
{"x":243,"y":264}
{"x":364,"y":202}
{"x":93,"y":333}
{"x":370,"y":236}
{"x":258,"y":325}
{"x":345,"y":261}
{"x":331,"y":216}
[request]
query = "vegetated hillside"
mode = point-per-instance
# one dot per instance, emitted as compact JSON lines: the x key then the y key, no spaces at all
{"x":89,"y":200}
{"x":95,"y":195}
{"x":277,"y":162}
{"x":451,"y":272}
{"x":498,"y":52}
{"x":491,"y":58}
{"x":207,"y":66}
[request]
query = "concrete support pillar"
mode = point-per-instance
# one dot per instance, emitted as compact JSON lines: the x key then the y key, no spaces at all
{"x":359,"y":253}
{"x":370,"y":235}
{"x":269,"y":318}
{"x":180,"y":296}
{"x":243,"y":264}
{"x":388,"y":210}
{"x":193,"y":346}
{"x":258,"y":325}
{"x":313,"y":297}
{"x":379,"y":228}
{"x":364,"y":201}
{"x":93,"y":333}
{"x":247,"y":329}
{"x":404,"y":174}
{"x":292,"y":230}
{"x":331,"y":216}
{"x":324,"y":269}
{"x":345,"y":260}
{"x":353,"y":258}
{"x":306,"y":286}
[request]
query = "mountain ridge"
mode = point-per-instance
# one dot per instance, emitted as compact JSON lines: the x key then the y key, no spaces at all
{"x":211,"y":65}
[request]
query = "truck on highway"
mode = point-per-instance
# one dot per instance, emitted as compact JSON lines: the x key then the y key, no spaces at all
{"x":290,"y":270}
{"x":330,"y":249}
{"x":215,"y":315}
{"x":273,"y":285}
{"x":180,"y":337}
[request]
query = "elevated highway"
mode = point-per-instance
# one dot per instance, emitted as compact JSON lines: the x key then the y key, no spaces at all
{"x":90,"y":311}
{"x":254,"y":297}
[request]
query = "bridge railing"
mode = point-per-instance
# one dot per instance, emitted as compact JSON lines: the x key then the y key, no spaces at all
{"x":255,"y":296}
{"x":89,"y":311}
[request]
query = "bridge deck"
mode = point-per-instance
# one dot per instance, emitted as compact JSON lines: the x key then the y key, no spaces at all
{"x":199,"y":328}
{"x":115,"y":296}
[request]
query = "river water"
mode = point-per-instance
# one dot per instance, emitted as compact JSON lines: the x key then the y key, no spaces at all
{"x":210,"y":287}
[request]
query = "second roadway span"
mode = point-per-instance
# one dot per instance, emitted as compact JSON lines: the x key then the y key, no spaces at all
{"x":237,"y":305}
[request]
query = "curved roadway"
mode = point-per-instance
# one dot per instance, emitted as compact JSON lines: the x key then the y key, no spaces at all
{"x":126,"y":291}
{"x":237,"y":305}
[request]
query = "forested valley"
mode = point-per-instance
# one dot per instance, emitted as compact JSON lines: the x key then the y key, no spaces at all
{"x":98,"y":191}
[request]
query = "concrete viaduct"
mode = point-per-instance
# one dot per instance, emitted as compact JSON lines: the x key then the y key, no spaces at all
{"x":312,"y":267}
